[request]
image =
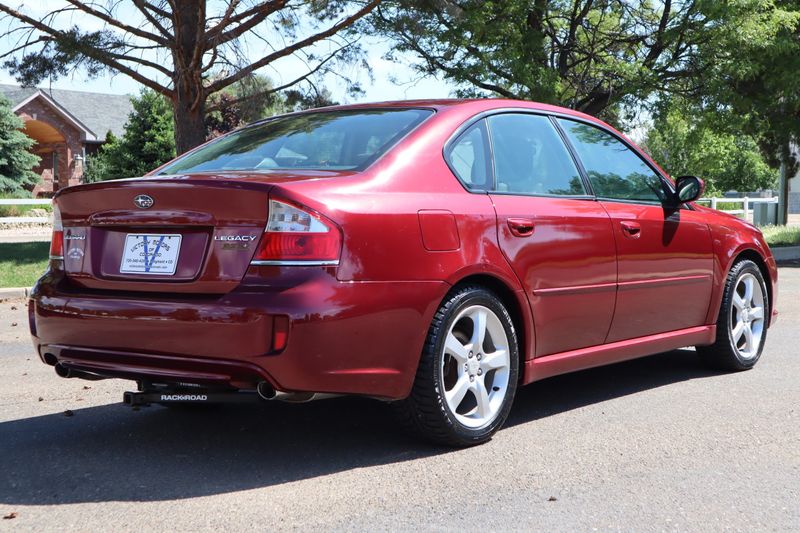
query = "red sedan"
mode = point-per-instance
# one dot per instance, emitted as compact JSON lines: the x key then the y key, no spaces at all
{"x":437,"y":254}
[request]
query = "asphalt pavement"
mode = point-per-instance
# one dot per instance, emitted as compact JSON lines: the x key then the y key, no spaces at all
{"x":657,"y":444}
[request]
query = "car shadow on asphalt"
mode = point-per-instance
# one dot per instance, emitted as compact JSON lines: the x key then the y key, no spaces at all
{"x":112,"y":453}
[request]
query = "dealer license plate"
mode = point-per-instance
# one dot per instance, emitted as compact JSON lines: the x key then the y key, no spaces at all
{"x":150,"y":253}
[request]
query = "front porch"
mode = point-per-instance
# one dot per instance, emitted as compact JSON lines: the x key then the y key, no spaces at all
{"x":61,"y":154}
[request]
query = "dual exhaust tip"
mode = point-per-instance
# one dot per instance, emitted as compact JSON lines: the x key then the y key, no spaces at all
{"x":264,"y":390}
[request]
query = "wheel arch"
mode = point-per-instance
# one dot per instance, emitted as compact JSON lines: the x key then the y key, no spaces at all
{"x":518,"y":307}
{"x":754,"y":256}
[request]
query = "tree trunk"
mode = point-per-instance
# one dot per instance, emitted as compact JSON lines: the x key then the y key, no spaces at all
{"x":190,"y":127}
{"x":189,"y":105}
{"x":783,"y":188}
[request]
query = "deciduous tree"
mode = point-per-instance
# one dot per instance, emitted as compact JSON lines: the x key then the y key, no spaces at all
{"x":755,"y":75}
{"x":685,"y":139}
{"x":589,"y":55}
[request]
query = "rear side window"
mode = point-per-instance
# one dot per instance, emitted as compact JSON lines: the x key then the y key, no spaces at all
{"x":332,"y":140}
{"x":468,"y":157}
{"x":531,"y":158}
{"x":614,"y":170}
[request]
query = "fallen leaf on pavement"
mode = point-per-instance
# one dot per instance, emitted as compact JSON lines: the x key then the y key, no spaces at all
{"x":10,"y":516}
{"x":552,"y":499}
{"x":68,"y":413}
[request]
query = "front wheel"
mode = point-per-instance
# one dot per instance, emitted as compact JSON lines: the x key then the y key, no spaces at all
{"x":742,"y":323}
{"x":468,"y":372}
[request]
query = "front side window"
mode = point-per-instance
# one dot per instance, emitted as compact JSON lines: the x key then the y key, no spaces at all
{"x":531,"y":158}
{"x":468,"y":158}
{"x":325,"y":140}
{"x":614,"y":170}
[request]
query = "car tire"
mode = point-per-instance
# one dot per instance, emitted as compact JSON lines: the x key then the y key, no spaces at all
{"x":742,"y":323}
{"x":463,"y":391}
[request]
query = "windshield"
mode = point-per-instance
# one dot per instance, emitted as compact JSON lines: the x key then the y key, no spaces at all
{"x":328,"y":140}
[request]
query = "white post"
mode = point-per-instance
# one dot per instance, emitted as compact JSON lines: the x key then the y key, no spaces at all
{"x":746,"y":208}
{"x":714,"y":203}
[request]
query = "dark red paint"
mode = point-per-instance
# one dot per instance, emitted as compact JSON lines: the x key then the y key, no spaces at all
{"x":587,"y":282}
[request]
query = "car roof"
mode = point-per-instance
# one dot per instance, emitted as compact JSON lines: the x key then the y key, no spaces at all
{"x":471,"y":105}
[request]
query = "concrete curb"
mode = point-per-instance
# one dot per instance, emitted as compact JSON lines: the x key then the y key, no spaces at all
{"x":13,"y":293}
{"x":786,"y":253}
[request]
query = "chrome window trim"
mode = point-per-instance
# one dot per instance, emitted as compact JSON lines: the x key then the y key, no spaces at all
{"x":556,"y":114}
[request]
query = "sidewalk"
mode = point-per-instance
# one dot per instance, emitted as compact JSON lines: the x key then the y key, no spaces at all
{"x":25,"y":233}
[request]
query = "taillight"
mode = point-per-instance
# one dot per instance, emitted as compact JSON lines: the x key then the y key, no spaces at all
{"x":57,"y":241}
{"x":294,"y":236}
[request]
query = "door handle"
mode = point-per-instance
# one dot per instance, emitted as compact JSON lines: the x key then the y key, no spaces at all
{"x":521,"y":227}
{"x":631,"y":229}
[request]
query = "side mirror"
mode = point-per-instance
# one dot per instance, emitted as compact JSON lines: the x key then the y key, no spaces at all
{"x":688,"y":189}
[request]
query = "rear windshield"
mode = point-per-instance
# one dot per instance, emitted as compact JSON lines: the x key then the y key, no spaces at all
{"x":328,"y":140}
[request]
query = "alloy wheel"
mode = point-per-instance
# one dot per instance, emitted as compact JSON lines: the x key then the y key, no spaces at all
{"x":747,"y":316}
{"x":475,"y":367}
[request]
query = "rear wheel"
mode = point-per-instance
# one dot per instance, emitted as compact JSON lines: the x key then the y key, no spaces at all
{"x":467,"y":376}
{"x":742,"y":323}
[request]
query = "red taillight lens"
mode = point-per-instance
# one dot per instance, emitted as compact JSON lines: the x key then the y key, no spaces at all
{"x":295,"y":235}
{"x":57,"y":241}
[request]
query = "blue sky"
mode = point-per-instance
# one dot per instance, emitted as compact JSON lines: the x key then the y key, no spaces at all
{"x":392,"y":80}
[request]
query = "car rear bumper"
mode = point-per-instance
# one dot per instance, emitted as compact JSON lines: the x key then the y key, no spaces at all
{"x":344,"y":337}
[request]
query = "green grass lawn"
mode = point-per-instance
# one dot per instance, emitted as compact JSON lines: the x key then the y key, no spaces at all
{"x":782,"y":235}
{"x":19,"y":210}
{"x":22,"y":263}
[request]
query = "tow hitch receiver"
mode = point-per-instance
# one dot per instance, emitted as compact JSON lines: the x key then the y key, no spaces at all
{"x":145,"y":398}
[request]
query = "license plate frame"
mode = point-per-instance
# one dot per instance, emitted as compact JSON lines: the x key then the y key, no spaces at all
{"x":150,"y":254}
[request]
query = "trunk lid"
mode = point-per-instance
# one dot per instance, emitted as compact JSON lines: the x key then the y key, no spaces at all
{"x":186,"y":234}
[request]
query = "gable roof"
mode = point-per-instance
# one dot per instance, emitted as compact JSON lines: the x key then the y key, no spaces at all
{"x":97,"y":113}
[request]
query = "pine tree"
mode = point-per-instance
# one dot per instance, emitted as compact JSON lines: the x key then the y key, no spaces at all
{"x":148,"y":142}
{"x":16,"y":160}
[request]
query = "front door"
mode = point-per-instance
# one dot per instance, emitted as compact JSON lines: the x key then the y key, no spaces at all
{"x":665,"y":261}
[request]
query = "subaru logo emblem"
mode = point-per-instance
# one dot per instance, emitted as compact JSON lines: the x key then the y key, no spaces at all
{"x":143,"y":201}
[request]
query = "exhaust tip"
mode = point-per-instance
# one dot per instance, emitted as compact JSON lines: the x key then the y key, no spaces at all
{"x":50,"y":359}
{"x":62,"y":371}
{"x":265,"y":391}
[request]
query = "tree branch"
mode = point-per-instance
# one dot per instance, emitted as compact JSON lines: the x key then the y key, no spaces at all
{"x":280,"y":87}
{"x":157,"y":11}
{"x":262,"y":12}
{"x":25,"y":45}
{"x":234,"y":19}
{"x":142,"y":6}
{"x":249,"y":69}
{"x":97,"y":55}
{"x":108,"y":19}
{"x":139,"y":60}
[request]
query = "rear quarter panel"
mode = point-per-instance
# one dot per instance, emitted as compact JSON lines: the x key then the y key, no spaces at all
{"x":383,"y":210}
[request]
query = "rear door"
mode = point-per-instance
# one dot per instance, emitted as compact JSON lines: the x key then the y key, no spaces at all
{"x":556,"y":237}
{"x":664,"y":253}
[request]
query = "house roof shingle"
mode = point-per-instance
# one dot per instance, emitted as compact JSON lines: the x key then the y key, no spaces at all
{"x":99,"y":112}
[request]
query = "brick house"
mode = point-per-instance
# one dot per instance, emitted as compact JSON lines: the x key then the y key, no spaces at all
{"x":68,"y":127}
